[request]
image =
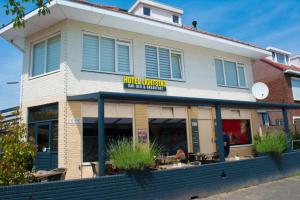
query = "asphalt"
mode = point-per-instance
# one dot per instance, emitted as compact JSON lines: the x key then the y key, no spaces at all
{"x":284,"y":189}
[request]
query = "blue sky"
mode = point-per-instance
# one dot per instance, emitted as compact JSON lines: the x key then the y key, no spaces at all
{"x":261,"y":22}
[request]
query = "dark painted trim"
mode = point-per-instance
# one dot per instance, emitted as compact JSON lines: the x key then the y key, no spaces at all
{"x":219,"y":130}
{"x":178,"y":184}
{"x":10,"y":109}
{"x":101,"y":136}
{"x":287,"y":129}
{"x":182,"y":100}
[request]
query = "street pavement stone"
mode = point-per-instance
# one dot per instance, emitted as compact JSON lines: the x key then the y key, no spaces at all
{"x":284,"y":189}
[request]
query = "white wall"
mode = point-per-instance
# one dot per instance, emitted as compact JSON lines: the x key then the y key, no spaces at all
{"x":200,"y":78}
{"x":48,"y":86}
{"x":295,"y":61}
{"x":199,"y":70}
{"x":157,"y":13}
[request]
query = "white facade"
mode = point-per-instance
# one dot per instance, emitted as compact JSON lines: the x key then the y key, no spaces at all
{"x":199,"y":77}
{"x":295,"y":60}
{"x":158,"y":11}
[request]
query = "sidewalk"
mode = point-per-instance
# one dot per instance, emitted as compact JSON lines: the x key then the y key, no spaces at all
{"x":284,"y":189}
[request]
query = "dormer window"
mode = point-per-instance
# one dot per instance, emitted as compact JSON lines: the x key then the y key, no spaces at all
{"x":175,"y":19}
{"x":146,"y":11}
{"x":280,"y":58}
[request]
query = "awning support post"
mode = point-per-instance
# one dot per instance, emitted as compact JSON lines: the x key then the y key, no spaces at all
{"x":219,"y":130}
{"x":101,"y":136}
{"x":287,"y":129}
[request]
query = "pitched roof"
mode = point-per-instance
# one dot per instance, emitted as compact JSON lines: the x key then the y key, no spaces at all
{"x":114,"y":8}
{"x":117,"y":9}
{"x":281,"y":66}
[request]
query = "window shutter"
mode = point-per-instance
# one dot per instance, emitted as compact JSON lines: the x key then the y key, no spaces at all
{"x":219,"y":72}
{"x":242,"y":78}
{"x":151,"y":61}
{"x":164,"y":63}
{"x":176,"y":66}
{"x":90,"y":52}
{"x":38,"y":59}
{"x":231,"y":73}
{"x":107,"y":55}
{"x":53,"y":54}
{"x":123,"y":58}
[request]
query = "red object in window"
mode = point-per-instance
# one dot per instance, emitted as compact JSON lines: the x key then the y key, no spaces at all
{"x":237,"y":130}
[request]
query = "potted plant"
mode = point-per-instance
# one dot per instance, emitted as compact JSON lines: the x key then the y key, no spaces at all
{"x":129,"y":157}
{"x":273,"y":143}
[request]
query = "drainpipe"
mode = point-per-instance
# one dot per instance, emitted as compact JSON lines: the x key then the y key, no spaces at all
{"x":101,"y":136}
{"x":287,"y":129}
{"x":219,"y":130}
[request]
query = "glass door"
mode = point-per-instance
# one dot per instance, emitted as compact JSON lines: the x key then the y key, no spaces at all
{"x":46,"y":142}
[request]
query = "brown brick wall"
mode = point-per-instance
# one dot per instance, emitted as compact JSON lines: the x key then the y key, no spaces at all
{"x":279,"y":85}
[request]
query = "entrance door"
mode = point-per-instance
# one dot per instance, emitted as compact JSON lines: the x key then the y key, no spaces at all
{"x":46,"y":140}
{"x":206,"y":134}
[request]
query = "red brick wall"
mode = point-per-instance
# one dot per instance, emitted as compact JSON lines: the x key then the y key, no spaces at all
{"x":279,"y":85}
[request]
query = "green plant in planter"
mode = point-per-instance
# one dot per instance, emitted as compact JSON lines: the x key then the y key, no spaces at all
{"x":126,"y":156}
{"x":273,"y":142}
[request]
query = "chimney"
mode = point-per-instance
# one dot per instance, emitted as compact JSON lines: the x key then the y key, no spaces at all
{"x":194,"y":23}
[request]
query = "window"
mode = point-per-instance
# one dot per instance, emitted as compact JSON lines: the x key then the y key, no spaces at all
{"x":169,"y":134}
{"x":280,"y":58}
{"x":279,"y":122}
{"x":115,"y":129}
{"x":146,"y":11}
{"x":239,"y":131}
{"x":163,"y":63}
{"x":175,"y":19}
{"x":46,"y":56}
{"x":104,"y":54}
{"x":296,"y":88}
{"x":43,"y":127}
{"x":230,"y":74}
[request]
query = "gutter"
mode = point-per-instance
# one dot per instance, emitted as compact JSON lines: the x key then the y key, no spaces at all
{"x":293,"y":72}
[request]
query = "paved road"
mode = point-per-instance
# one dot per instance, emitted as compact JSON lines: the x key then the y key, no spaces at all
{"x":284,"y":189}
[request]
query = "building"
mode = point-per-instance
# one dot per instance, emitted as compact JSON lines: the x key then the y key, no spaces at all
{"x":281,"y":73}
{"x":83,"y":48}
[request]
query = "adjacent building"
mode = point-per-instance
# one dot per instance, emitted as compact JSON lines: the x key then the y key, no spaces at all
{"x":281,"y":73}
{"x":83,"y":48}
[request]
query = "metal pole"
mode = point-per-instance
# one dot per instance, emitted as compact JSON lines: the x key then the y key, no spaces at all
{"x":219,"y":130}
{"x":101,"y":136}
{"x":287,"y":129}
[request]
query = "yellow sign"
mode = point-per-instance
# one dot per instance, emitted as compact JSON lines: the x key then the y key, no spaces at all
{"x":131,"y":82}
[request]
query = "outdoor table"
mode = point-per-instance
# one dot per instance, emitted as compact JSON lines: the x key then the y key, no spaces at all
{"x":42,"y":175}
{"x":175,"y":166}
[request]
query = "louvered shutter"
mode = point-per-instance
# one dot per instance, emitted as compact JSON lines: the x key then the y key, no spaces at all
{"x":90,"y":52}
{"x":53,"y":54}
{"x":107,"y":55}
{"x":123,"y":58}
{"x":164,"y":63}
{"x":151,"y":61}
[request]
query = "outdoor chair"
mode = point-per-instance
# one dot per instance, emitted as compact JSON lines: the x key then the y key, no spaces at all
{"x":95,"y":167}
{"x":57,"y":174}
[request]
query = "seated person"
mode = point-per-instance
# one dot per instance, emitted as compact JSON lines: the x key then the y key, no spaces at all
{"x":181,"y":155}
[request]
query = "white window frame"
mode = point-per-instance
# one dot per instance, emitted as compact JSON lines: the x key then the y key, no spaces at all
{"x":237,"y":65}
{"x":171,"y":51}
{"x":276,"y":58}
{"x":45,"y":40}
{"x":117,"y":41}
{"x":295,"y":118}
{"x":295,"y":79}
